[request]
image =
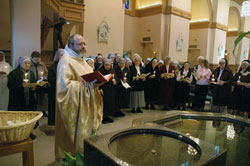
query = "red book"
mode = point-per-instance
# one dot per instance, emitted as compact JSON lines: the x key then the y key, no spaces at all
{"x":96,"y":76}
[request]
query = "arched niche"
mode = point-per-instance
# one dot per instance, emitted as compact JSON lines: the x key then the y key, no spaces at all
{"x":234,"y":20}
{"x":201,"y":11}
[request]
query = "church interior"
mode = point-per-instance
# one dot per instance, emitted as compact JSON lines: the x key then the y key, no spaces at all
{"x":183,"y":30}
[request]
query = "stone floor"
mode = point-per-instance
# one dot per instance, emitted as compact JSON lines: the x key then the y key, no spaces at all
{"x":44,"y":143}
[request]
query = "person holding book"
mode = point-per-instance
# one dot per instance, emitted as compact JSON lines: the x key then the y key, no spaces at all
{"x":221,"y":86}
{"x":183,"y":81}
{"x":79,"y":103}
{"x":152,"y":84}
{"x":202,"y":76}
{"x":137,"y":99}
{"x":167,"y":84}
{"x":123,"y":75}
{"x":110,"y":95}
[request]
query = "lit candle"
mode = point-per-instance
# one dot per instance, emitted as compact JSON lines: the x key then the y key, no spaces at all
{"x":25,"y":77}
{"x":213,"y":78}
{"x":125,"y":76}
{"x":41,"y":75}
{"x":154,"y":53}
{"x":238,"y":79}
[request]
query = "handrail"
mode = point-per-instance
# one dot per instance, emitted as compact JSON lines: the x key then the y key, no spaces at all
{"x":78,"y":2}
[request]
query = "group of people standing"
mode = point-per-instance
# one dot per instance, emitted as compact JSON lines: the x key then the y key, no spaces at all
{"x":17,"y":92}
{"x":168,"y":85}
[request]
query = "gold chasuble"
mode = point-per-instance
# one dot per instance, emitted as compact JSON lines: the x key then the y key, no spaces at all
{"x":79,"y":104}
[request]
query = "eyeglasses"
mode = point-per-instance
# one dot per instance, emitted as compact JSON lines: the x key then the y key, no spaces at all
{"x":81,"y":44}
{"x":221,"y":63}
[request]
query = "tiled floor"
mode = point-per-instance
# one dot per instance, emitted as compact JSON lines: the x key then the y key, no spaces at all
{"x":44,"y":143}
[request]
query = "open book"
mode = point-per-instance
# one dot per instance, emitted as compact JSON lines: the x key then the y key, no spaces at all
{"x":142,"y":76}
{"x":97,"y":76}
{"x":39,"y":83}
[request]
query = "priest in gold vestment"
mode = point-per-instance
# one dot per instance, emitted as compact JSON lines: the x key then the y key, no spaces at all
{"x":79,"y":104}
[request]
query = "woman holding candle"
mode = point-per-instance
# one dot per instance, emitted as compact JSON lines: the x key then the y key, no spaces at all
{"x":123,"y":74}
{"x":4,"y":91}
{"x":241,"y":82}
{"x":137,"y":99}
{"x":183,"y":81}
{"x":167,"y":84}
{"x":221,"y":86}
{"x":21,"y":97}
{"x":152,"y":84}
{"x":202,"y":75}
{"x":110,"y":99}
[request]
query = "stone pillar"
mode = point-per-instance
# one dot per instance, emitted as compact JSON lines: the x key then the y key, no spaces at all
{"x":219,"y":30}
{"x":176,"y":26}
{"x":26,"y":28}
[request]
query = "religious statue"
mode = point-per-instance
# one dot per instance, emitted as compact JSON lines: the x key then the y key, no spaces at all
{"x":179,"y":44}
{"x":103,"y":32}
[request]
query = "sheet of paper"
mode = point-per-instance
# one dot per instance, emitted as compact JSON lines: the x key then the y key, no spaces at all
{"x":125,"y":85}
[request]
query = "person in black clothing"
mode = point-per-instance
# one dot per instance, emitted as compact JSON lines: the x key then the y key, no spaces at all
{"x":152,"y":84}
{"x":110,"y":99}
{"x":182,"y":89}
{"x":137,"y":99}
{"x":123,"y":74}
{"x":21,"y":97}
{"x":98,"y":63}
{"x":52,"y":87}
{"x":221,"y":86}
{"x":241,"y":82}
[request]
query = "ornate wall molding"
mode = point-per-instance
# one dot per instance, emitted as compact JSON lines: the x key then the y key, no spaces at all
{"x":149,"y":11}
{"x":219,"y":26}
{"x":178,"y":12}
{"x":69,"y":11}
{"x":200,"y":25}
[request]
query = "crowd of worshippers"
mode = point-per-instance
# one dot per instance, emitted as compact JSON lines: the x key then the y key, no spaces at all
{"x":168,"y":84}
{"x":18,"y":95}
{"x":151,"y":83}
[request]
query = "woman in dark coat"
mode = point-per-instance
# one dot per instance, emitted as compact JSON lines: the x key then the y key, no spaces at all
{"x":52,"y":87}
{"x":221,"y":87}
{"x":122,"y":74}
{"x":167,"y":84}
{"x":183,"y":81}
{"x":21,"y":97}
{"x":241,"y":82}
{"x":137,"y":98}
{"x":151,"y":84}
{"x":110,"y":99}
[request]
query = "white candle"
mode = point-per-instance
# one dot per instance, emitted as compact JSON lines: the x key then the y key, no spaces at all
{"x":41,"y":75}
{"x":238,"y":79}
{"x":25,"y":77}
{"x":213,"y":78}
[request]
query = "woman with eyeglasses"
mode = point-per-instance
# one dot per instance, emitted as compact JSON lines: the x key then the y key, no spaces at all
{"x":221,"y":87}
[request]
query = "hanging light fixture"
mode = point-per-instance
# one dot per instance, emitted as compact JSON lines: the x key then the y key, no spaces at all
{"x":245,"y":9}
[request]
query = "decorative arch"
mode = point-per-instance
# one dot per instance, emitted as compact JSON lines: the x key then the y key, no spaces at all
{"x":234,"y":10}
{"x":201,"y":11}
